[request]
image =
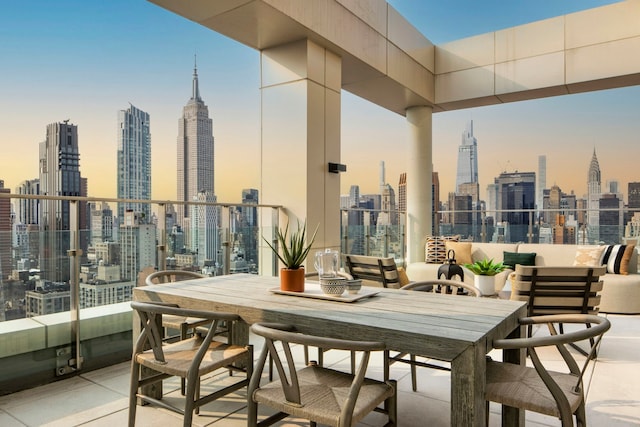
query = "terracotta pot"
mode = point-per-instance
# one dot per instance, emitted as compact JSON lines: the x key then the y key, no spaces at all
{"x":292,"y":280}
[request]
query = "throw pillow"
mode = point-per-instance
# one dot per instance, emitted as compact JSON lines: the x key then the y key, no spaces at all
{"x":462,"y":251}
{"x":510,"y":259}
{"x":403,"y":279}
{"x":616,"y":258}
{"x":589,"y":256}
{"x":435,"y":249}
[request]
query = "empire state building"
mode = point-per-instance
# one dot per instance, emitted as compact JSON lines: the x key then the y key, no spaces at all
{"x":195,"y":151}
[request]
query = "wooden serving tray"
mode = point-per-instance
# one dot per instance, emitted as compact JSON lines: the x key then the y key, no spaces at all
{"x":313,"y":290}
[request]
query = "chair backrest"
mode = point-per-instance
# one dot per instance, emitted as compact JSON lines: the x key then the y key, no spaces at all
{"x":151,"y":319}
{"x":449,"y":286}
{"x":287,"y":335}
{"x":167,"y":276}
{"x":597,"y":326}
{"x":373,"y":271}
{"x":558,"y":290}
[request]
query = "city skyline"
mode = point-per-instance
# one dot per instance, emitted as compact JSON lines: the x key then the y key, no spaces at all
{"x":90,"y":89}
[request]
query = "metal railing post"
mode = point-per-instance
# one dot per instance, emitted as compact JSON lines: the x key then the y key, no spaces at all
{"x":225,"y":233}
{"x":162,"y":237}
{"x":74,"y":253}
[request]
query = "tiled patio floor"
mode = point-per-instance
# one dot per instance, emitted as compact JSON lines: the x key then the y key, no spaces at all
{"x":99,"y":398}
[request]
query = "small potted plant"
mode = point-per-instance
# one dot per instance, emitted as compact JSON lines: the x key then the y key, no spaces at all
{"x":484,"y":272}
{"x":292,"y":254}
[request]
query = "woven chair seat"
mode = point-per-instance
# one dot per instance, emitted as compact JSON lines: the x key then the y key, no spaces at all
{"x":520,"y":386}
{"x":323,"y":392}
{"x":180,"y":355}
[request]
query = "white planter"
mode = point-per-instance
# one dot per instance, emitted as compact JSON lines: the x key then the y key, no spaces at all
{"x":486,"y":284}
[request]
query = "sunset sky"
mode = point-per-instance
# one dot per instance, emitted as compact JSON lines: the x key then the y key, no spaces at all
{"x":85,"y":60}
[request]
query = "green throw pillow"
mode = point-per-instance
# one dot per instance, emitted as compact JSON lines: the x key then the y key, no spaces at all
{"x":513,"y":258}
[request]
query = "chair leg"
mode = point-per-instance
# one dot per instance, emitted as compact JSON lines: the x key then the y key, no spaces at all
{"x":183,"y":336}
{"x":189,"y":407}
{"x":581,"y":416}
{"x":197,"y":395}
{"x":386,"y":364}
{"x":392,"y":404}
{"x":414,"y":373}
{"x":133,"y":390}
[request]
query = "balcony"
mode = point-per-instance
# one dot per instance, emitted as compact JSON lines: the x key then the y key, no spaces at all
{"x":81,"y":353}
{"x":99,"y":398}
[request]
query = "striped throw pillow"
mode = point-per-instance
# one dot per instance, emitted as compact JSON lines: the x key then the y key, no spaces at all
{"x":616,"y":258}
{"x":435,"y":249}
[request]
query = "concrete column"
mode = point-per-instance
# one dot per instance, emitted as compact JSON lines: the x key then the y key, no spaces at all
{"x":300,"y":96}
{"x":419,"y":181}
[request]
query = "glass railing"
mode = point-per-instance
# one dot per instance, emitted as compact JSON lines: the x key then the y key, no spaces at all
{"x":360,"y":235}
{"x":64,"y":293}
{"x":68,"y":266}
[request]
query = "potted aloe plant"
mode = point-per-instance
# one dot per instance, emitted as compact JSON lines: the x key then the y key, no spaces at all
{"x":292,"y":253}
{"x":484,"y":272}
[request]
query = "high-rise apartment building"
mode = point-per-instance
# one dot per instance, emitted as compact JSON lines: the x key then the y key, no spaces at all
{"x":5,"y":234}
{"x":134,"y":161}
{"x":27,"y":210}
{"x":594,"y":190}
{"x":59,"y":176}
{"x":101,"y":223}
{"x":137,"y":245}
{"x":542,"y":182}
{"x":467,"y":171}
{"x":402,"y":192}
{"x":205,"y":229}
{"x":516,"y":193}
{"x":634,"y":195}
{"x":435,"y":203}
{"x":610,"y":218}
{"x":354,"y":196}
{"x":195,"y":151}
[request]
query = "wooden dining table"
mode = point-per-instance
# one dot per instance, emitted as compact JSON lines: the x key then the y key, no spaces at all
{"x":455,"y":329}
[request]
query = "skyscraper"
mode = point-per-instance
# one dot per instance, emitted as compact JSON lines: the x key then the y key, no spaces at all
{"x":205,"y":230}
{"x":354,"y":196}
{"x":59,"y":176}
{"x":634,"y":195}
{"x":594,"y":189}
{"x":5,"y":234}
{"x":467,"y":171}
{"x":516,"y":194}
{"x":195,"y":151}
{"x":134,"y":161}
{"x":383,"y":181}
{"x":542,"y":181}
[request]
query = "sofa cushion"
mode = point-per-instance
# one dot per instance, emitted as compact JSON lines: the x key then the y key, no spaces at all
{"x":435,"y":249}
{"x":589,"y":256}
{"x":462,"y":251}
{"x":403,"y":279}
{"x":616,"y":258}
{"x":510,"y":259}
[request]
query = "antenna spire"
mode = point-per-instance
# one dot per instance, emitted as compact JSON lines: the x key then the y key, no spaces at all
{"x":195,"y":91}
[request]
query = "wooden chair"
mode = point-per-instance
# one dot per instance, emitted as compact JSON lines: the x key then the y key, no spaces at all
{"x":448,"y":286}
{"x":185,"y":325}
{"x":189,"y":359}
{"x":558,"y":290}
{"x":373,"y":271}
{"x":316,"y":393}
{"x":536,"y":388}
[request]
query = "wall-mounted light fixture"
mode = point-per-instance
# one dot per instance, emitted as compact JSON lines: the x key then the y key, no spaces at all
{"x":337,"y":168}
